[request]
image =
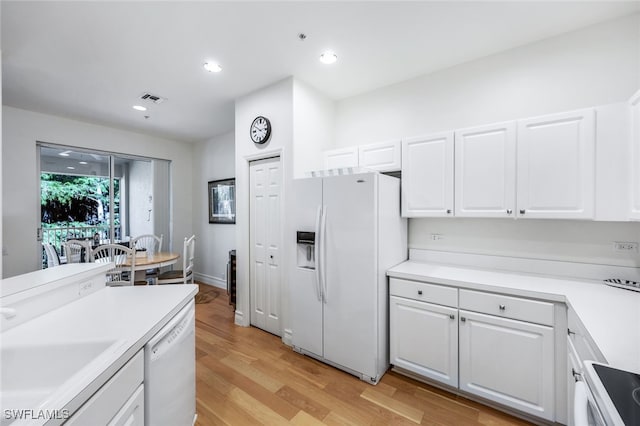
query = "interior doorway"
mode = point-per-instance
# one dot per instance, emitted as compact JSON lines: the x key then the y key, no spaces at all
{"x":265,"y":275}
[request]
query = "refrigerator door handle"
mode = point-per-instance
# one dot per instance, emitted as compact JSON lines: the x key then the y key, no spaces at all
{"x":317,"y":254}
{"x":323,"y":247}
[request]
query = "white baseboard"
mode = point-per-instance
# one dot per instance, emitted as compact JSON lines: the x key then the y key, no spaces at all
{"x":239,"y":319}
{"x":211,"y":280}
{"x":287,"y":337}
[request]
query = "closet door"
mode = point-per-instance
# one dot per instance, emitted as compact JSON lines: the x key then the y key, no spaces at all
{"x":264,"y":238}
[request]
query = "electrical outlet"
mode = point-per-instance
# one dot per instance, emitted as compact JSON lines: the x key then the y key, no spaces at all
{"x":625,"y":246}
{"x":437,"y":237}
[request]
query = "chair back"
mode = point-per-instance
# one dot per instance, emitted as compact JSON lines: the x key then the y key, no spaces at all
{"x":73,"y":250}
{"x":123,"y":273}
{"x":149,"y":242}
{"x":52,"y":255}
{"x":188,"y":256}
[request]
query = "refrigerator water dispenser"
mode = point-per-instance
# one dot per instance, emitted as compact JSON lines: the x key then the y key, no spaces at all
{"x":306,"y":249}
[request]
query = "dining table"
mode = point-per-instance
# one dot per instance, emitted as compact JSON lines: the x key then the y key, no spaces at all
{"x":149,"y":260}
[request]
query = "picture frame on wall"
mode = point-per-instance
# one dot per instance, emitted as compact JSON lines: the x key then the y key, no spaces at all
{"x":222,"y":201}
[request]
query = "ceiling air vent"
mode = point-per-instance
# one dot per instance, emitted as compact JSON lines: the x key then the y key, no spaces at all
{"x":152,"y":98}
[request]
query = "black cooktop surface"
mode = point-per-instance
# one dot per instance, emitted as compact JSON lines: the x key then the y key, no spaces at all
{"x":623,"y":388}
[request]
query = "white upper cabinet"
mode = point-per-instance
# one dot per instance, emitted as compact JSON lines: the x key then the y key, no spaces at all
{"x":343,"y":157}
{"x":427,"y":176}
{"x":485,"y":162}
{"x":634,"y":104}
{"x":383,"y":156}
{"x":555,"y":166}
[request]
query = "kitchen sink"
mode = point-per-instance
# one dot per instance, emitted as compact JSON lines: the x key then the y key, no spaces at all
{"x":32,"y":373}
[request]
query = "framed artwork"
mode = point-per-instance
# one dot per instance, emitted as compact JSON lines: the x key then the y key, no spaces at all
{"x":222,"y":201}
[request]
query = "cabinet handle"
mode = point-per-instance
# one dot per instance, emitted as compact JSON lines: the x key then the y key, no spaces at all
{"x":522,"y":211}
{"x":577,"y":376}
{"x":463,"y":319}
{"x":569,"y":332}
{"x":509,"y":211}
{"x":420,"y":292}
{"x":448,"y":211}
{"x":451,"y":316}
{"x":502,"y":307}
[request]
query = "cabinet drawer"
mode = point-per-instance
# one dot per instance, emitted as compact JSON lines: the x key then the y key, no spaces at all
{"x":507,"y":306}
{"x":432,"y":293}
{"x":585,"y":349}
{"x":113,"y":395}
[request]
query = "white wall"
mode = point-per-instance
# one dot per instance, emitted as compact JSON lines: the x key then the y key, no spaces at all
{"x":313,"y":128}
{"x":593,"y":66}
{"x":20,"y":192}
{"x":212,"y":160}
{"x":596,"y":65}
{"x":276,"y":103}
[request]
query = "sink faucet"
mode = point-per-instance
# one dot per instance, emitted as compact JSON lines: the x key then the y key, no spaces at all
{"x":8,"y":312}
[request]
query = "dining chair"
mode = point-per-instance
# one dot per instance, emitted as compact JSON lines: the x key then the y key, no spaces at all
{"x":77,"y":251}
{"x":123,"y":273}
{"x":151,"y":244}
{"x":186,"y":273}
{"x":53,"y":259}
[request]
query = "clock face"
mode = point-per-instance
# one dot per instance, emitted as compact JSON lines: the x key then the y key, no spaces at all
{"x":260,"y":130}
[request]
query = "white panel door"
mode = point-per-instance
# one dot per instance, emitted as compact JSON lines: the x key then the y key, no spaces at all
{"x":508,"y":361}
{"x":634,"y":105}
{"x":427,"y":176}
{"x":556,"y":166}
{"x":383,"y":156}
{"x":424,"y":339}
{"x":264,"y":238}
{"x":304,"y":285}
{"x":343,"y":157}
{"x":350,"y":272}
{"x":485,"y":169}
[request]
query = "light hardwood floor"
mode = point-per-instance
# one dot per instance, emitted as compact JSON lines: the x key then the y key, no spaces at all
{"x":245,"y":376}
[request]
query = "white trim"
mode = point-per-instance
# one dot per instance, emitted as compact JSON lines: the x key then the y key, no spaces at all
{"x":211,"y":280}
{"x":526,"y":265}
{"x":239,"y":319}
{"x":287,"y":337}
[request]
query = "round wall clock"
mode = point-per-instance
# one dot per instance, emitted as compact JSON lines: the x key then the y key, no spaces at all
{"x":260,"y":130}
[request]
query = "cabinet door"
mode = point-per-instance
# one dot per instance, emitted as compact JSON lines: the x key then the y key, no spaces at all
{"x":132,"y":413}
{"x":507,"y":361}
{"x":634,"y":104}
{"x":424,"y":339}
{"x":338,"y":158}
{"x":384,"y":156}
{"x":485,"y":169}
{"x":427,"y":176}
{"x":556,"y":166}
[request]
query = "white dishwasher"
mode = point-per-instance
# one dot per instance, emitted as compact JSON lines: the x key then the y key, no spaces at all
{"x":170,"y":372}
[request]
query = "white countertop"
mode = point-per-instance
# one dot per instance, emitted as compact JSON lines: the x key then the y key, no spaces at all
{"x":611,"y":315}
{"x":129,"y":316}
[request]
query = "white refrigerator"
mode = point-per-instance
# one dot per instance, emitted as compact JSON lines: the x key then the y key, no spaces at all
{"x":348,"y":233}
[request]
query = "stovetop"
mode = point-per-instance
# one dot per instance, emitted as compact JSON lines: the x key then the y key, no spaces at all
{"x":623,"y":388}
{"x":626,"y":284}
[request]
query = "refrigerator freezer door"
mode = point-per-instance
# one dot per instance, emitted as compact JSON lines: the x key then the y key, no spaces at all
{"x":349,"y":269}
{"x":306,"y":307}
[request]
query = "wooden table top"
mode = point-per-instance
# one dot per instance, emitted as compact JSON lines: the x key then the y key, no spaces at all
{"x":155,"y":260}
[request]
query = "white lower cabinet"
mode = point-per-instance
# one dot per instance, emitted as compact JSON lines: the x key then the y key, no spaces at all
{"x":498,"y":347}
{"x":508,"y":361}
{"x":425,"y":339}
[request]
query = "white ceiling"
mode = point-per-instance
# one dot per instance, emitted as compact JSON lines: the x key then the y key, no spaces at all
{"x":90,"y":60}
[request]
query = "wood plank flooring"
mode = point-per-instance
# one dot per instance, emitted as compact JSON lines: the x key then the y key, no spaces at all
{"x":245,"y":376}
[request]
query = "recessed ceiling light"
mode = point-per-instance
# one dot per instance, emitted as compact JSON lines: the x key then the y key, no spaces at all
{"x":64,"y":153}
{"x":212,"y":67}
{"x":139,"y":108}
{"x":82,"y":162}
{"x":328,"y":57}
{"x":71,"y":168}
